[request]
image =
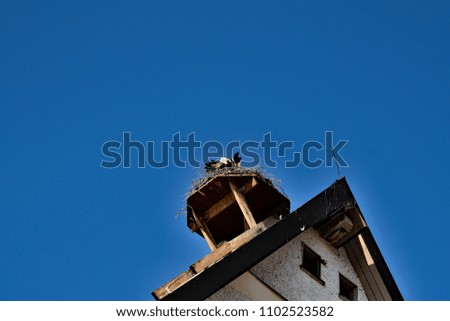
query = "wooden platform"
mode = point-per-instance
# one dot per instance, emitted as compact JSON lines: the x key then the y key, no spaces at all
{"x":229,"y":204}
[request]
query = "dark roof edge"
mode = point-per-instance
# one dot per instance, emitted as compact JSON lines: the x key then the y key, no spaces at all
{"x":381,"y":265}
{"x":327,"y":203}
{"x":231,"y":266}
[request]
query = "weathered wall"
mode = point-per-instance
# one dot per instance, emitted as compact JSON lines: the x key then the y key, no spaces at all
{"x":281,"y":271}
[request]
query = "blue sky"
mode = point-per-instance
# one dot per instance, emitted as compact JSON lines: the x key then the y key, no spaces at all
{"x":75,"y":75}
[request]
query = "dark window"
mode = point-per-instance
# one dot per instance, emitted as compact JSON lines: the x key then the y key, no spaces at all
{"x":311,"y":263}
{"x":347,"y":290}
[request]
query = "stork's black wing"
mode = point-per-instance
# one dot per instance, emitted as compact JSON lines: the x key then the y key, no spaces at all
{"x":236,"y":158}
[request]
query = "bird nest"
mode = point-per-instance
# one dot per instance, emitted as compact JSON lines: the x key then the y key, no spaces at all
{"x":208,"y":175}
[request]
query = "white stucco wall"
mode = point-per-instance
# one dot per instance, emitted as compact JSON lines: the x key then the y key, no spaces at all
{"x":281,"y":271}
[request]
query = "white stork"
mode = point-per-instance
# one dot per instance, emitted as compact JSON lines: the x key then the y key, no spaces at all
{"x":224,"y":162}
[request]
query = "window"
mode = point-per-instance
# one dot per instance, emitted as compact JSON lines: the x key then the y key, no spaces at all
{"x":347,"y":290}
{"x":312,"y":263}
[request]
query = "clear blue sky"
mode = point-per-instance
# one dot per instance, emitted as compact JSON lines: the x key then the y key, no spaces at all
{"x":74,"y":75}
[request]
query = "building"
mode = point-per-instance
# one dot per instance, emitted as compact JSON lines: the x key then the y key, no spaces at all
{"x":260,"y":250}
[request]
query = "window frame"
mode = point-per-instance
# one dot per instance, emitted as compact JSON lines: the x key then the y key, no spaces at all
{"x":349,"y":287}
{"x":311,"y":255}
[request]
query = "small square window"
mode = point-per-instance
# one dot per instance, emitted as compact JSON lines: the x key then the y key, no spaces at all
{"x":311,"y":263}
{"x":347,"y":290}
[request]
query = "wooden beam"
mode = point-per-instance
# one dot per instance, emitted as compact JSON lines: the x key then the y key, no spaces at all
{"x":223,"y":250}
{"x":243,"y":205}
{"x":231,"y":246}
{"x":218,"y":207}
{"x":226,"y":201}
{"x":174,"y":284}
{"x":205,"y":231}
{"x":373,"y":269}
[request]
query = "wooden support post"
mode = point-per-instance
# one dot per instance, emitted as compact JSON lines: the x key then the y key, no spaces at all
{"x":205,"y":232}
{"x":227,"y":201}
{"x":243,"y":205}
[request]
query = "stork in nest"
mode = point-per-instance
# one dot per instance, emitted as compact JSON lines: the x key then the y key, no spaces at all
{"x":223,"y":162}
